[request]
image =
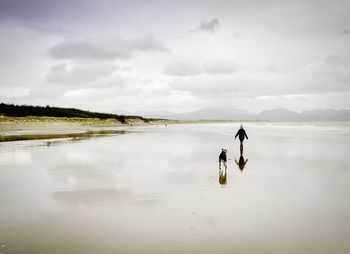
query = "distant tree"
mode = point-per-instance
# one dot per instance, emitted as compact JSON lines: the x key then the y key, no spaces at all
{"x":27,"y":110}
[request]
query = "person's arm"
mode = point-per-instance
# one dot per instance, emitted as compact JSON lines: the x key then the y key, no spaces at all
{"x":245,"y":134}
{"x":236,"y":134}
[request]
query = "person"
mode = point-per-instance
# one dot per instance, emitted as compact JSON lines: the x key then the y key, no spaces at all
{"x":241,"y":134}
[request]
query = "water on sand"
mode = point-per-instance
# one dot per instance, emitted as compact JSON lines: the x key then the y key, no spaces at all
{"x":160,"y":190}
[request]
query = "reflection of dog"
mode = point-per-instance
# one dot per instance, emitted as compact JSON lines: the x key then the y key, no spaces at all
{"x":223,"y":176}
{"x":223,"y":157}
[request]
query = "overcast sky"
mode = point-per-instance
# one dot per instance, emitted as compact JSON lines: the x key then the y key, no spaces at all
{"x":117,"y":56}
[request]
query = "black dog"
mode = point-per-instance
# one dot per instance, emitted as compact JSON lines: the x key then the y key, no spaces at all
{"x":222,"y":157}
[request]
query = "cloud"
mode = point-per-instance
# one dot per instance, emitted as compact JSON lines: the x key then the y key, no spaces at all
{"x":317,"y":77}
{"x":73,"y":69}
{"x":76,"y":75}
{"x":183,"y":68}
{"x":210,"y":86}
{"x":104,"y":49}
{"x":12,"y":92}
{"x":208,"y":26}
{"x":61,"y":83}
{"x":221,"y":66}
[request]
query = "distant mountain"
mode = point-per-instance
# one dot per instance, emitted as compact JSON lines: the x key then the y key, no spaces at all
{"x":278,"y":114}
{"x":325,"y":115}
{"x":281,"y":114}
{"x":228,"y":113}
{"x":215,"y":113}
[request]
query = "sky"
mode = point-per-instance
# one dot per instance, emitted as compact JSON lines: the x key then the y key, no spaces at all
{"x":151,"y":55}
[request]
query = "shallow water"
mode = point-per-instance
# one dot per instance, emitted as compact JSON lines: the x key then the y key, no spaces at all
{"x":159,"y":190}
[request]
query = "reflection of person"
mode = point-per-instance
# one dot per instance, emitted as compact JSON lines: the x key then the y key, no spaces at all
{"x":241,"y":163}
{"x":241,"y":134}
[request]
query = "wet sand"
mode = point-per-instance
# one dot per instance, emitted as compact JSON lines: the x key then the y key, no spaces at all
{"x":159,"y":190}
{"x":53,"y":127}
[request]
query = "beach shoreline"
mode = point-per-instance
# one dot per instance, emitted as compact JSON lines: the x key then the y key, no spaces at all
{"x":31,"y":128}
{"x":28,"y":128}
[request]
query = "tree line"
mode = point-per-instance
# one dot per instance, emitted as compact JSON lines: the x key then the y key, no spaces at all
{"x":28,"y":110}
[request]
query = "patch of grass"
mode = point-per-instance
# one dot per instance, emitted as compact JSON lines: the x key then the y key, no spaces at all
{"x":48,"y":119}
{"x":84,"y":121}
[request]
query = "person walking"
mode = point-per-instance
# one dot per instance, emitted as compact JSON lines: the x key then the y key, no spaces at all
{"x":241,"y":135}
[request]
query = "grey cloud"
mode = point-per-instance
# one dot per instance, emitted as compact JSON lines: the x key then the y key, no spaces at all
{"x":208,"y":86}
{"x":63,"y":74}
{"x":236,"y":34}
{"x":22,"y":63}
{"x":147,"y":44}
{"x":107,"y":49}
{"x":317,"y":77}
{"x":332,"y":75}
{"x":115,"y":83}
{"x":219,"y":67}
{"x":48,"y":91}
{"x":37,"y":10}
{"x":208,"y":26}
{"x":182,"y":69}
{"x":113,"y":90}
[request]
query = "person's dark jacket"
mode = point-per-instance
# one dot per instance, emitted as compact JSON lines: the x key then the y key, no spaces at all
{"x":241,"y":134}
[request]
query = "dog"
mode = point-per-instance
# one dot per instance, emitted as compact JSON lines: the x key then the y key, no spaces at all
{"x":222,"y":157}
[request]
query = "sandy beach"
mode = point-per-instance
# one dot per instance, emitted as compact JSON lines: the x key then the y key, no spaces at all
{"x":50,"y":125}
{"x":157,"y":189}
